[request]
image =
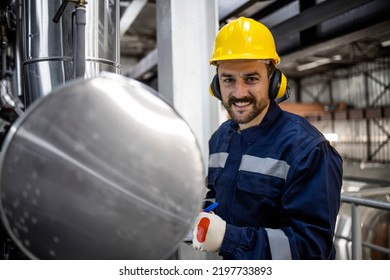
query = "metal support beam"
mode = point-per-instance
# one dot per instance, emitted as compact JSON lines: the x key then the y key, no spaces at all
{"x":145,"y":65}
{"x":131,"y":14}
{"x":356,"y":233}
{"x":271,"y":8}
{"x":313,"y":16}
{"x":184,"y":73}
{"x":290,"y":58}
{"x":184,"y":49}
{"x":230,"y":9}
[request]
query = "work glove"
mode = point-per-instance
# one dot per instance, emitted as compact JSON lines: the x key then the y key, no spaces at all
{"x":208,"y":232}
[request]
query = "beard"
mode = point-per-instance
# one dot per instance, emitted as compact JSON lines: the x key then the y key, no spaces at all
{"x":256,"y":108}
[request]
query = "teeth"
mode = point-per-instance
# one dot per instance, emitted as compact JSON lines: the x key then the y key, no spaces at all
{"x":241,"y":104}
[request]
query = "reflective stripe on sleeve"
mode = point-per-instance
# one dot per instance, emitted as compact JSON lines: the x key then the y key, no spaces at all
{"x":267,"y":166}
{"x":209,"y":200}
{"x":279,"y":245}
{"x":218,"y":160}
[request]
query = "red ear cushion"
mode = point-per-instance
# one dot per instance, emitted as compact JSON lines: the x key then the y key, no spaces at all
{"x":203,"y":227}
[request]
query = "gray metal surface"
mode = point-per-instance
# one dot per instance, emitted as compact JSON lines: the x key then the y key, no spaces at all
{"x":47,"y":54}
{"x":364,"y":211}
{"x":100,"y":169}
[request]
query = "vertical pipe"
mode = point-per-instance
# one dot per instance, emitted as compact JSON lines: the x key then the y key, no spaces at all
{"x":4,"y":45}
{"x":388,"y":239}
{"x":17,"y":78}
{"x":368,"y":122}
{"x":356,"y":233}
{"x":79,"y":51}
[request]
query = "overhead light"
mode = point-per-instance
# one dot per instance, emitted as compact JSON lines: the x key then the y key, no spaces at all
{"x":314,"y":64}
{"x":337,"y":57}
{"x":385,"y":43}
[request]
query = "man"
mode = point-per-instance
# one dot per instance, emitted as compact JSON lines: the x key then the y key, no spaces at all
{"x":276,"y":178}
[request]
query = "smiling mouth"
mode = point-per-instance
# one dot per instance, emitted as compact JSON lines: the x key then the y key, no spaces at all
{"x":241,"y":103}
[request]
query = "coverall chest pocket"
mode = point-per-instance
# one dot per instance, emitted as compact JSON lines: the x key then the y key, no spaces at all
{"x":258,"y":186}
{"x":257,"y":198}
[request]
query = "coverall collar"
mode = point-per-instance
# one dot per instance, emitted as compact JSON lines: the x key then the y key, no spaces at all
{"x":251,"y":134}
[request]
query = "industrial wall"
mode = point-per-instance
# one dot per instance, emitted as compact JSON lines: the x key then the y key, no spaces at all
{"x":357,"y":108}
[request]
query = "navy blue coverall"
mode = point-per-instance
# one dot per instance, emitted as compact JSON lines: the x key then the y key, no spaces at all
{"x":278,"y":186}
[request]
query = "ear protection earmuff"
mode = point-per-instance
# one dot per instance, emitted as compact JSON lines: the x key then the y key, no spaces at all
{"x":214,"y":88}
{"x":278,"y":86}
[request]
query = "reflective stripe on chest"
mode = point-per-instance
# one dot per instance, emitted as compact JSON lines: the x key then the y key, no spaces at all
{"x":266,"y":166}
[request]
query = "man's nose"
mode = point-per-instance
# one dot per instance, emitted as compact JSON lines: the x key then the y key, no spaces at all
{"x":241,"y":88}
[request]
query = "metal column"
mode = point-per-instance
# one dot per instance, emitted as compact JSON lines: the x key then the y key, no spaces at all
{"x":356,"y":233}
{"x":185,"y":36}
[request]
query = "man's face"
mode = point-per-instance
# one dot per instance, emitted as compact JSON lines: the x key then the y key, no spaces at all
{"x":244,"y":90}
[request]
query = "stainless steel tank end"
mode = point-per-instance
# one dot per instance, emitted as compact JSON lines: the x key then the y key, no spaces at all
{"x":101,"y":168}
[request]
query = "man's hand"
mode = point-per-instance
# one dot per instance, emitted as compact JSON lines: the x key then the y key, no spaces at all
{"x":208,"y":232}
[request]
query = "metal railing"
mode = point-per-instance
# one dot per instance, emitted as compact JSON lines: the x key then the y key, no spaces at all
{"x":356,"y":231}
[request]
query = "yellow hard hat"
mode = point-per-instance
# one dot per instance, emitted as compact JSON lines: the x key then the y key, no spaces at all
{"x":244,"y":38}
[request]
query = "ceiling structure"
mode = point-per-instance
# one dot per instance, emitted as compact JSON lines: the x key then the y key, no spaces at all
{"x":138,"y":28}
{"x":311,"y":35}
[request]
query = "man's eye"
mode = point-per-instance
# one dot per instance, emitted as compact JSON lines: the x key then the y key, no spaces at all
{"x":251,"y":80}
{"x":227,"y":80}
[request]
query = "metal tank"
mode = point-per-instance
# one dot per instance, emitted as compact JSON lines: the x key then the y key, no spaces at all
{"x":101,"y":168}
{"x":373,"y":225}
{"x":50,"y":49}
